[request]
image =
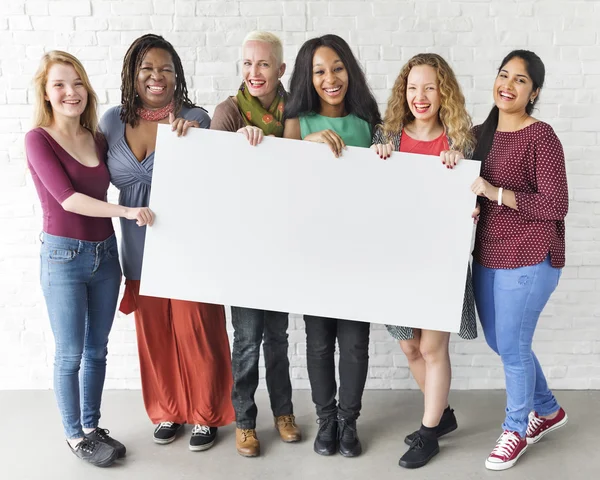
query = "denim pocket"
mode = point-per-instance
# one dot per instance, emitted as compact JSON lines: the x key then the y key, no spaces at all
{"x":112,"y":252}
{"x":61,"y":255}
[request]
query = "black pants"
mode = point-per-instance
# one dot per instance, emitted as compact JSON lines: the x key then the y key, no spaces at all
{"x":353,"y":340}
{"x":251,"y":328}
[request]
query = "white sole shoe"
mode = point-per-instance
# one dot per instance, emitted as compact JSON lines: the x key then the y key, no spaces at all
{"x":562,"y":423}
{"x":498,"y":466}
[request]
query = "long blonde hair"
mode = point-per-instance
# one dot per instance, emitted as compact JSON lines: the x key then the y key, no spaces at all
{"x":44,"y":116}
{"x":452,"y":112}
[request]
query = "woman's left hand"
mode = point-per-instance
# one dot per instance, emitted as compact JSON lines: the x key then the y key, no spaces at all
{"x":181,"y":125}
{"x":451,"y":157}
{"x":483,"y":188}
{"x":253,"y":134}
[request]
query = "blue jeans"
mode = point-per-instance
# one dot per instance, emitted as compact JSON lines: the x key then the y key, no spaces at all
{"x":509,"y":303}
{"x":80,"y":281}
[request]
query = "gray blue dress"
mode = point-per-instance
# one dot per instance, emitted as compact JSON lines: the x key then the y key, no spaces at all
{"x":133,"y":179}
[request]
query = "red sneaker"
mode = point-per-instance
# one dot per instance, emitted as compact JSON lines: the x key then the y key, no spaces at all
{"x":538,"y":427}
{"x":509,"y":447}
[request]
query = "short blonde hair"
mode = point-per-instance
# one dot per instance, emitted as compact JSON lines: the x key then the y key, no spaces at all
{"x":43,"y":116}
{"x":267,"y":37}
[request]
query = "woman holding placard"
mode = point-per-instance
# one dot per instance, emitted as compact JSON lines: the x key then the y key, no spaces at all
{"x":519,"y":248}
{"x":331,"y":103}
{"x":183,"y":346}
{"x":257,"y":110}
{"x":79,"y":261}
{"x":426,"y":115}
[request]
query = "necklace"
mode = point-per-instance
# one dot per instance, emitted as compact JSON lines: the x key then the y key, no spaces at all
{"x":155,"y":115}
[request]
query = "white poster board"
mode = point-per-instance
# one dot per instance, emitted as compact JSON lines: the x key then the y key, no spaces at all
{"x":286,"y":226}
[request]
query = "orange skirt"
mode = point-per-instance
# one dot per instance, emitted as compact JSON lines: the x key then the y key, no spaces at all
{"x":185,"y":361}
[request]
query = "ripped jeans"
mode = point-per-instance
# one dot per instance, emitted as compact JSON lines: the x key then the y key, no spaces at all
{"x":509,"y":303}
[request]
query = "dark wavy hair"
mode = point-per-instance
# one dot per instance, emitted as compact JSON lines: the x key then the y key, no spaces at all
{"x":537,"y":72}
{"x":304,"y":99}
{"x":131,"y":64}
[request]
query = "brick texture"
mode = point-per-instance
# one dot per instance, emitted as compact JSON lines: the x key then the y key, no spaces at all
{"x":473,"y":35}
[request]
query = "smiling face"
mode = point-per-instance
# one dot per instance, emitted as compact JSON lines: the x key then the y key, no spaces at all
{"x":513,"y":87}
{"x":155,"y":83}
{"x":330,"y":77}
{"x":65,"y":91}
{"x":260,"y":70}
{"x":423,"y":93}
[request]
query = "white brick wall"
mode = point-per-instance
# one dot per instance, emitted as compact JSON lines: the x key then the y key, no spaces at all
{"x":473,"y":35}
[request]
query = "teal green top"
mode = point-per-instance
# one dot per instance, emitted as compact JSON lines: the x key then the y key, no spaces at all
{"x":355,"y":132}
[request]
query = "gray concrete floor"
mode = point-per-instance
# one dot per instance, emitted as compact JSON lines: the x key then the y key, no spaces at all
{"x":32,"y":447}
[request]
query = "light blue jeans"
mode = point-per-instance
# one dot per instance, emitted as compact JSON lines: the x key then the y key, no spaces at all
{"x":80,"y":281}
{"x":509,"y":303}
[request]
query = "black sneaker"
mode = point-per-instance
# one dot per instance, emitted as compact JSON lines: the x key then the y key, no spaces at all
{"x":202,"y":438}
{"x":166,"y":432}
{"x":96,"y":453}
{"x":101,"y":435}
{"x":349,"y":443}
{"x":447,"y":424}
{"x":421,"y":450}
{"x":326,"y":442}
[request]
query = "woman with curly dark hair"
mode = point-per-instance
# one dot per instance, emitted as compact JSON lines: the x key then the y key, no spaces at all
{"x":331,"y":103}
{"x":183,"y":346}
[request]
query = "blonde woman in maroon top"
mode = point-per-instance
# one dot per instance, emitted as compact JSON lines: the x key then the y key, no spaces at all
{"x":426,"y":115}
{"x":519,"y":247}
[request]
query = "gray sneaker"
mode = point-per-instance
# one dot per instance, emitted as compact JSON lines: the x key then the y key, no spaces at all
{"x":96,"y":453}
{"x":102,"y":435}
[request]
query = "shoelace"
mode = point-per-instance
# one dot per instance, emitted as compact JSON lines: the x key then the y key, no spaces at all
{"x":248,"y":433}
{"x":200,"y":429}
{"x":86,"y":445}
{"x":347,"y":431}
{"x":165,"y":425}
{"x":534,"y":424}
{"x":506,"y":445}
{"x":287,"y":420}
{"x":102,"y":433}
{"x":418,"y":443}
{"x":326,"y":427}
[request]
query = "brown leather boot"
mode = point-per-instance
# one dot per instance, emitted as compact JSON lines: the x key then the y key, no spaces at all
{"x":287,"y":428}
{"x":246,"y":442}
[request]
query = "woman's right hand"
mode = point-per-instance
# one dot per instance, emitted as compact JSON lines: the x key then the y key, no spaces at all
{"x":384,"y":150}
{"x":450,"y":158}
{"x":329,"y":137}
{"x":254,"y":135}
{"x":143,"y":216}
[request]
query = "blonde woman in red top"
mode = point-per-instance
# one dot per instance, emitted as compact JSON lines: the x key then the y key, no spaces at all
{"x":426,"y":115}
{"x":519,"y":247}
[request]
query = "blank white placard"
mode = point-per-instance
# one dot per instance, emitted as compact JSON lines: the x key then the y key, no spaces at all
{"x":286,"y":226}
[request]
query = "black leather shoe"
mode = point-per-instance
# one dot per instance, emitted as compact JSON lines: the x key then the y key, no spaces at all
{"x":349,"y":443}
{"x":326,"y":442}
{"x":421,"y":450}
{"x":447,"y":424}
{"x":96,"y":453}
{"x":102,"y":435}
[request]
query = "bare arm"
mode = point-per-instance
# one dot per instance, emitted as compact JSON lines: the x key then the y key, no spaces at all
{"x":291,"y":129}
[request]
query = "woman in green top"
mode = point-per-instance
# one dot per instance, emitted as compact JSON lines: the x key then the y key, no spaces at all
{"x":331,"y":103}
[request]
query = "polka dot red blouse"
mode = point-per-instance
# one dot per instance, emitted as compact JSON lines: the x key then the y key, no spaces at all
{"x":531,"y":163}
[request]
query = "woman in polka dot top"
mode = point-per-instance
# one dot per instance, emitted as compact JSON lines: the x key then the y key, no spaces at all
{"x":519,"y":247}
